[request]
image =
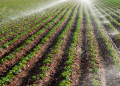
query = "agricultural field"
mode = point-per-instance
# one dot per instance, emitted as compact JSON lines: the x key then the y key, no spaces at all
{"x":12,"y":9}
{"x":68,"y":43}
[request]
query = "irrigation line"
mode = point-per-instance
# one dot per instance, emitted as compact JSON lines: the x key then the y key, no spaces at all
{"x":106,"y":31}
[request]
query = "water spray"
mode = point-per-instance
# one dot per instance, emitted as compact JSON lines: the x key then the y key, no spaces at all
{"x":107,"y":32}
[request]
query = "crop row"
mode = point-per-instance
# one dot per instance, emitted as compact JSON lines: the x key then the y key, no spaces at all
{"x":30,"y":39}
{"x":115,"y":4}
{"x":109,"y":5}
{"x":28,"y":20}
{"x":110,"y":8}
{"x":18,"y":21}
{"x":91,"y":48}
{"x":109,"y":16}
{"x":68,"y":69}
{"x":111,"y":28}
{"x":109,"y":11}
{"x":113,"y":15}
{"x":6,"y":45}
{"x":17,"y":69}
{"x":50,"y":56}
{"x":16,"y":53}
{"x":17,"y":25}
{"x":27,"y":25}
{"x":17,"y":28}
{"x":110,"y":49}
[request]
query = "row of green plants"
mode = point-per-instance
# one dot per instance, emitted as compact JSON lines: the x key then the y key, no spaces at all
{"x":3,"y":30}
{"x":117,"y":35}
{"x":114,"y":6}
{"x":15,"y":26}
{"x":27,"y":25}
{"x":91,"y":49}
{"x":11,"y":18}
{"x":115,"y":3}
{"x":27,"y":18}
{"x":111,"y":50}
{"x":18,"y":68}
{"x":3,"y":26}
{"x":109,"y":5}
{"x":108,"y":15}
{"x":6,"y":45}
{"x":68,"y":69}
{"x":117,"y":11}
{"x":111,"y":28}
{"x":109,"y":11}
{"x":30,"y":39}
{"x":50,"y":56}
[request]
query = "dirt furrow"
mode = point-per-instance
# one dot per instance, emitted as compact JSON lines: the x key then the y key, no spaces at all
{"x":19,"y":42}
{"x":57,"y":65}
{"x":110,"y":13}
{"x":96,"y":33}
{"x":15,"y":34}
{"x":85,"y":78}
{"x":75,"y":77}
{"x":7,"y":65}
{"x":114,"y":35}
{"x":107,"y":70}
{"x":31,"y":64}
{"x":109,"y":20}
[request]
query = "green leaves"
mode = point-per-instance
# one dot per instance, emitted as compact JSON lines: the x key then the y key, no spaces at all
{"x":42,"y":76}
{"x":95,"y":69}
{"x":69,"y":63}
{"x":16,"y":70}
{"x":65,"y":82}
{"x":95,"y":83}
{"x":47,"y":61}
{"x":4,"y":45}
{"x":34,"y":78}
{"x":6,"y":79}
{"x":65,"y":74}
{"x":44,"y":68}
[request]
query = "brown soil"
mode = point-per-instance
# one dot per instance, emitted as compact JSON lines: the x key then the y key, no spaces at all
{"x":6,"y":66}
{"x":116,"y":40}
{"x":57,"y":65}
{"x":86,"y":74}
{"x":105,"y":25}
{"x":116,"y":18}
{"x":15,"y":34}
{"x":108,"y":6}
{"x":106,"y":78}
{"x":82,"y":68}
{"x":23,"y":38}
{"x":19,"y":78}
{"x":100,"y":63}
{"x":113,"y":23}
{"x":11,"y":25}
{"x":75,"y":77}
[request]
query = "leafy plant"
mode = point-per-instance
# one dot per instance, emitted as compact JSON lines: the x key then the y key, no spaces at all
{"x":44,"y":68}
{"x":95,"y":83}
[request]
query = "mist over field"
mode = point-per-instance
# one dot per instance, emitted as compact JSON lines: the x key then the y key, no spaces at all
{"x":13,"y":9}
{"x":59,"y":42}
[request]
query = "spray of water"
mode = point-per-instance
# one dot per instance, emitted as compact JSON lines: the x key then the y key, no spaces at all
{"x":109,"y":74}
{"x":38,"y":9}
{"x":29,"y":12}
{"x":113,"y":33}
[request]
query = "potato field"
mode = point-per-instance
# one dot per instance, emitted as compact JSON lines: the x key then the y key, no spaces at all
{"x":73,"y":43}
